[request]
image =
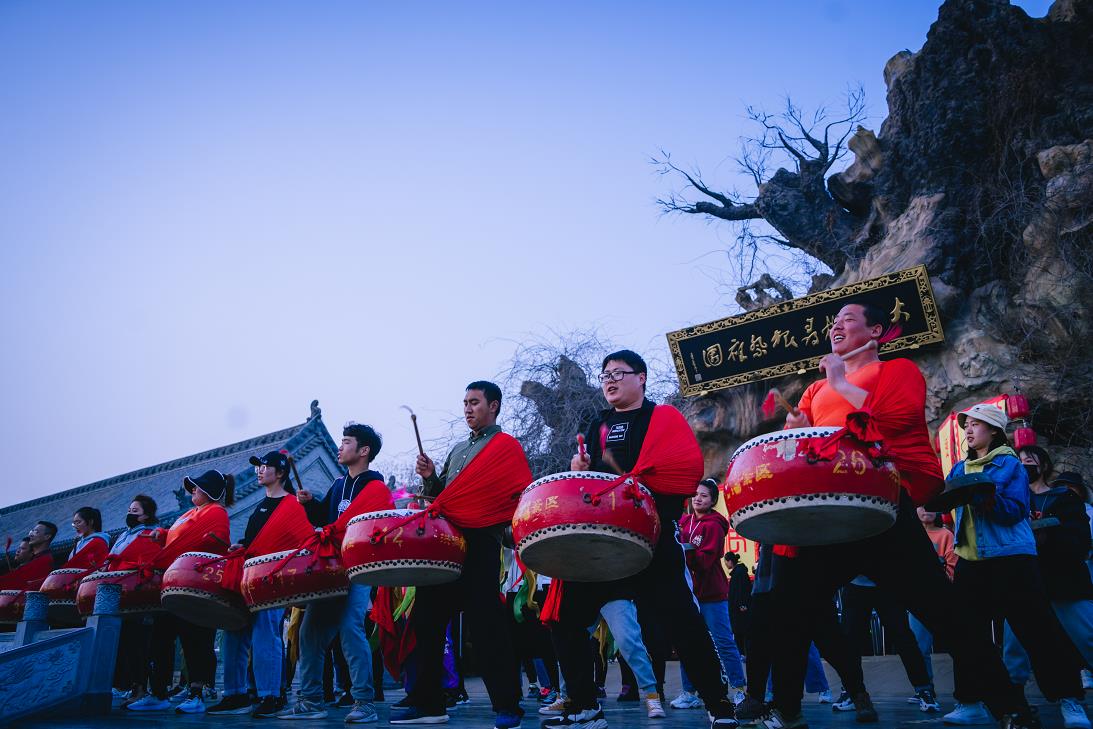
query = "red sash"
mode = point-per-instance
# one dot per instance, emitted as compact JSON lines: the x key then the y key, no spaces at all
{"x":30,"y":575}
{"x":486,"y":490}
{"x":201,"y":529}
{"x":670,"y":461}
{"x":396,"y":641}
{"x":138,"y":552}
{"x":92,"y":555}
{"x":286,"y":527}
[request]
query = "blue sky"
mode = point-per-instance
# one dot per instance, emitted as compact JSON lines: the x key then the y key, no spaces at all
{"x":212,"y":213}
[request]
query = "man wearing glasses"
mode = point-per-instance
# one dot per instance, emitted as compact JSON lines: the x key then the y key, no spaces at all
{"x":615,"y":440}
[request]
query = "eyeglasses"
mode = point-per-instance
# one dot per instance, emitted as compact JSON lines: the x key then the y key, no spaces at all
{"x":615,"y":375}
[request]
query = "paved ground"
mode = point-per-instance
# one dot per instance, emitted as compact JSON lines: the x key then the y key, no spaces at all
{"x":884,"y":675}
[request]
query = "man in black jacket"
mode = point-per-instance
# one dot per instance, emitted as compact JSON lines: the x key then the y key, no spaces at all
{"x":739,"y":597}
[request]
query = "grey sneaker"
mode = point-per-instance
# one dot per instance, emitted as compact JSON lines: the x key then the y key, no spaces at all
{"x":303,"y":710}
{"x":362,"y":713}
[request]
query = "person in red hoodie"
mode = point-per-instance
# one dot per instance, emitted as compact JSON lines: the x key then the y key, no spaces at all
{"x":703,"y":536}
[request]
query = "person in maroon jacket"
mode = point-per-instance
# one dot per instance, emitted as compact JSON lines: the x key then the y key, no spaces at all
{"x":703,"y":536}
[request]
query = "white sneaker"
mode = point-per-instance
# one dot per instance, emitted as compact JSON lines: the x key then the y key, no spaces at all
{"x":119,"y":695}
{"x":969,"y":715}
{"x":149,"y":702}
{"x":653,"y":707}
{"x":1087,"y":678}
{"x":192,"y":705}
{"x":685,"y":700}
{"x":824,"y":697}
{"x":845,"y":702}
{"x":1073,"y":714}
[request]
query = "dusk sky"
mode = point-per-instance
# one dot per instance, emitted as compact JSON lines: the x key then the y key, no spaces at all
{"x":213,"y":213}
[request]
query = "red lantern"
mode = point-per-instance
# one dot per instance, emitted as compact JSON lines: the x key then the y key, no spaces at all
{"x":1023,"y":437}
{"x":1017,"y":407}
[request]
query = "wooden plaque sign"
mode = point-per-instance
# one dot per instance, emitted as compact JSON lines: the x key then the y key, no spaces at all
{"x":789,"y":338}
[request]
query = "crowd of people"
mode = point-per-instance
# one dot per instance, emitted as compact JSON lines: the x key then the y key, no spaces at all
{"x":1016,"y":553}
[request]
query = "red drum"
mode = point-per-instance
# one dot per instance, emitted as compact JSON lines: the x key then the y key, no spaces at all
{"x":776,"y":494}
{"x":11,"y":606}
{"x":564,"y":530}
{"x":268,"y":584}
{"x":426,"y":551}
{"x":137,"y":595}
{"x":192,"y":590}
{"x":61,"y":586}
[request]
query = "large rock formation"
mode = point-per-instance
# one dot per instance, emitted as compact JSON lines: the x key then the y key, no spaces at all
{"x":982,"y":171}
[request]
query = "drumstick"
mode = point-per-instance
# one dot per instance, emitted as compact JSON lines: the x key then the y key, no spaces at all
{"x":295,"y":473}
{"x":580,"y":446}
{"x":417,"y":434}
{"x":219,"y":539}
{"x":871,"y":344}
{"x":7,"y":557}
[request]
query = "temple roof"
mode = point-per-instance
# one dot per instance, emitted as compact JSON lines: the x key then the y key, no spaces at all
{"x":163,"y":482}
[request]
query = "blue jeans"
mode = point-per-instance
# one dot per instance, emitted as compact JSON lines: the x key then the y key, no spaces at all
{"x":1076,"y":617}
{"x":261,"y":641}
{"x":925,"y":640}
{"x":716,"y":615}
{"x":621,"y":617}
{"x":342,"y":616}
{"x":815,"y":678}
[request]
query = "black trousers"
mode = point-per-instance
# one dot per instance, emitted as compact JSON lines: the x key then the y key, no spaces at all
{"x":858,"y":605}
{"x":901,"y":560}
{"x":476,"y":593}
{"x":1012,"y":588}
{"x":661,"y":589}
{"x":197,"y":649}
{"x":131,"y":668}
{"x":531,"y":640}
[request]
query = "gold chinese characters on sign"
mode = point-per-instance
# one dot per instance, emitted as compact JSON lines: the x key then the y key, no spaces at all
{"x":790,"y":337}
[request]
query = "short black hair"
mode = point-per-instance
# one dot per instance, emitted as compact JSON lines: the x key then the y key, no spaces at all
{"x":874,"y":315}
{"x":148,"y":504}
{"x":50,"y":527}
{"x":365,"y":435}
{"x":490,"y":390}
{"x":91,"y":515}
{"x":632,"y":359}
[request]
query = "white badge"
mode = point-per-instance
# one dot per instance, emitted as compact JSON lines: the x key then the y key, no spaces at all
{"x":343,"y":505}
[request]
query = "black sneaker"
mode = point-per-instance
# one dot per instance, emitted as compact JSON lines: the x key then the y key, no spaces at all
{"x":231,"y":705}
{"x":1023,"y":720}
{"x":927,"y":701}
{"x":344,"y":701}
{"x":627,"y":693}
{"x":601,"y":692}
{"x":751,"y":710}
{"x":267,"y":707}
{"x":722,"y":715}
{"x":401,"y":703}
{"x":864,"y":712}
{"x":574,"y":718}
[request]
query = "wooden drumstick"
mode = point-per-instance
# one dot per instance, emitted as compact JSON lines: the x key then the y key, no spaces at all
{"x":871,"y":344}
{"x":417,"y":434}
{"x":7,"y":557}
{"x":295,"y":473}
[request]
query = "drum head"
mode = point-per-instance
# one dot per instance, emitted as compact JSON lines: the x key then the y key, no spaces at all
{"x":585,"y":553}
{"x":404,"y":573}
{"x":817,"y":524}
{"x":206,"y":610}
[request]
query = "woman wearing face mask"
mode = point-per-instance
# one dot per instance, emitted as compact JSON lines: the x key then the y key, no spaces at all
{"x":203,"y":528}
{"x":135,"y":544}
{"x":705,"y":531}
{"x":997,"y":573}
{"x":1061,"y":528}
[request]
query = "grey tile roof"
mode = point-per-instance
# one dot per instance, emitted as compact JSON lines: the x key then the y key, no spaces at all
{"x":309,"y":443}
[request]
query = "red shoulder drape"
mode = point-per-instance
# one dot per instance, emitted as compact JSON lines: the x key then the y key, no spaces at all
{"x":93,"y":554}
{"x":201,"y":529}
{"x":139,"y":552}
{"x":286,"y":527}
{"x":670,"y":461}
{"x":486,"y":491}
{"x":327,"y":542}
{"x":30,"y":575}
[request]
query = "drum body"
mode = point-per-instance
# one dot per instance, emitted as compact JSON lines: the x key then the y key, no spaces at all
{"x":776,"y":494}
{"x":61,"y":586}
{"x":137,"y":595}
{"x":563,"y":530}
{"x":12,"y":603}
{"x":192,"y":590}
{"x":426,"y":551}
{"x":269,"y":581}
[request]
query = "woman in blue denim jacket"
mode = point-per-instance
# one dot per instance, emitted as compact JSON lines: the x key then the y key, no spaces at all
{"x":997,"y":575}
